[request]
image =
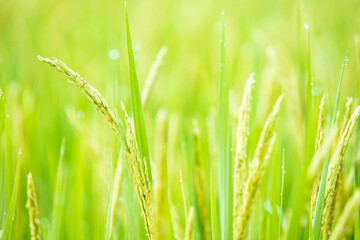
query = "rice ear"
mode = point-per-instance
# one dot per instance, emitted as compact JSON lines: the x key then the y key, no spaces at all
{"x":149,"y":82}
{"x":241,"y":159}
{"x":334,"y":173}
{"x":125,"y":131}
{"x":259,"y":163}
{"x":319,"y":142}
{"x":33,"y":209}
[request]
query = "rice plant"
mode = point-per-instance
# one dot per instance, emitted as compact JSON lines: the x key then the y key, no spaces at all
{"x":221,"y":125}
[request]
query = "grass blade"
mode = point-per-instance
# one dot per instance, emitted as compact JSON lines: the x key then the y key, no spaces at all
{"x":201,"y":210}
{"x":281,"y":192}
{"x":309,"y":124}
{"x":59,"y":197}
{"x":189,"y":232}
{"x":321,"y":194}
{"x":214,"y":219}
{"x":115,"y":194}
{"x":149,"y":82}
{"x":139,"y":122}
{"x":11,"y":212}
{"x":225,"y":171}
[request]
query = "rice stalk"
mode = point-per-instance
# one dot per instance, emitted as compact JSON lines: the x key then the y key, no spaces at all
{"x":200,"y":186}
{"x":259,"y":163}
{"x":10,"y":215}
{"x":149,"y":82}
{"x":347,"y":218}
{"x":224,"y":144}
{"x":281,"y":193}
{"x":183,"y":194}
{"x":241,"y":160}
{"x":189,"y":232}
{"x":162,"y":228}
{"x":33,"y":209}
{"x":334,"y":172}
{"x":213,"y":210}
{"x":116,"y":192}
{"x":177,"y":224}
{"x":347,"y":114}
{"x":59,"y":196}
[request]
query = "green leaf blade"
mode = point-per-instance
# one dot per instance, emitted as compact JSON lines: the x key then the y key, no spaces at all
{"x":139,"y":122}
{"x":11,"y":212}
{"x":224,"y":146}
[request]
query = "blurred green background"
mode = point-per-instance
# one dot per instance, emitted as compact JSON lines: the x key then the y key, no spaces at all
{"x":39,"y":109}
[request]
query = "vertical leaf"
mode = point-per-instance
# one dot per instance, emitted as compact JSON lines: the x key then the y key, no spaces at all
{"x":139,"y":122}
{"x":11,"y":212}
{"x":310,"y":133}
{"x":281,"y":192}
{"x":214,"y":220}
{"x":59,"y":197}
{"x":224,"y":145}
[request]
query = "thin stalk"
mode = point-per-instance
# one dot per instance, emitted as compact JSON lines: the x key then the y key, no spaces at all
{"x":282,"y":191}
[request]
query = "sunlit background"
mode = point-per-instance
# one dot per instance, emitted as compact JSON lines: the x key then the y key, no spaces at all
{"x":274,"y":39}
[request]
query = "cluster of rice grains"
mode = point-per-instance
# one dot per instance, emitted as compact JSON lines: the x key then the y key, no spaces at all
{"x":124,"y":129}
{"x":247,"y":179}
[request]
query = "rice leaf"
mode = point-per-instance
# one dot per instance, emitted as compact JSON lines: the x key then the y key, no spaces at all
{"x":11,"y":212}
{"x":139,"y":122}
{"x":225,"y":172}
{"x":281,"y":192}
{"x":310,"y":123}
{"x":149,"y":82}
{"x":59,"y":197}
{"x":214,"y":220}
